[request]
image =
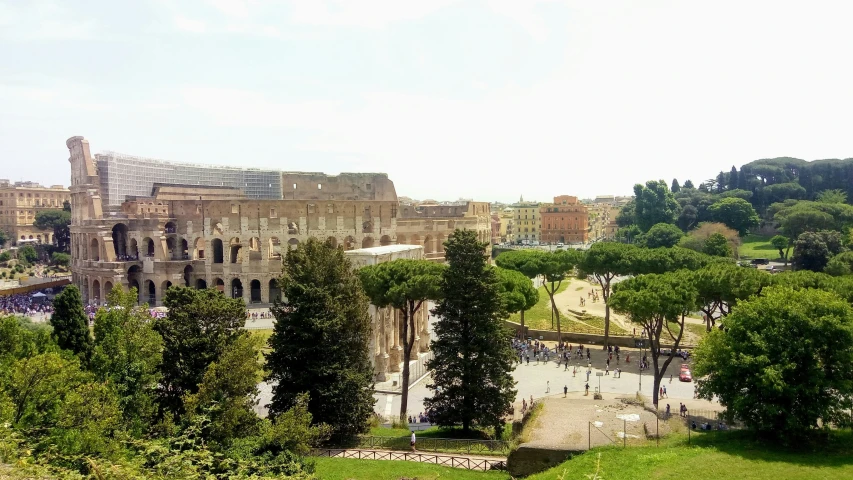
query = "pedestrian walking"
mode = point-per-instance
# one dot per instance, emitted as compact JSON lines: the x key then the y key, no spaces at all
{"x":413,"y":440}
{"x":586,"y":389}
{"x":666,"y":395}
{"x":670,"y":379}
{"x":565,"y":390}
{"x":548,"y":386}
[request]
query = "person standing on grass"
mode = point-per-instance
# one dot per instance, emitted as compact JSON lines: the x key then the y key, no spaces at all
{"x":413,"y":440}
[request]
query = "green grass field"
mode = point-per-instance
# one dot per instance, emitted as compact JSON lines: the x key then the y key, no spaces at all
{"x":712,"y":456}
{"x":353,"y":469}
{"x":758,"y":246}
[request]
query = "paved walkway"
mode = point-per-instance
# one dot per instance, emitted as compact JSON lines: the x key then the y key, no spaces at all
{"x":469,"y":462}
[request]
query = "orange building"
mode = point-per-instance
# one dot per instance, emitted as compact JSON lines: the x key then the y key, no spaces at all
{"x":565,"y":221}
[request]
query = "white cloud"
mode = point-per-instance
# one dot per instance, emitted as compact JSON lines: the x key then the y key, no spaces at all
{"x":189,"y":24}
{"x":368,"y":14}
{"x":39,"y":20}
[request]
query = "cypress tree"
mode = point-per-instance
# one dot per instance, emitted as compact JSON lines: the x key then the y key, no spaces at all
{"x":734,"y":182}
{"x":321,"y":339}
{"x":70,"y":324}
{"x":473,"y":357}
{"x":675,"y":188}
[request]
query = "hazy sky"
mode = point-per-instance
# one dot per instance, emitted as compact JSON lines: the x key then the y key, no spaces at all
{"x":482,"y":99}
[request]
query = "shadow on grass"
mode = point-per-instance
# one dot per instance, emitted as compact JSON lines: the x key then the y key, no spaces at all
{"x":832,"y":449}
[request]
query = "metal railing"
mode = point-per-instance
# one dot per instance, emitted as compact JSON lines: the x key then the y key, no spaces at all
{"x":427,"y":444}
{"x":481,"y":464}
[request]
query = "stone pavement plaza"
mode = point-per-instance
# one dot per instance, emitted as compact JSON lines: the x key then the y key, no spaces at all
{"x":532,"y":380}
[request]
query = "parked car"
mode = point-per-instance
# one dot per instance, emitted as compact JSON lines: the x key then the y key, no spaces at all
{"x":685,"y":375}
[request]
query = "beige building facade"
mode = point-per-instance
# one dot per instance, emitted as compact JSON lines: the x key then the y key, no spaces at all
{"x":527,"y":222}
{"x":20,"y":202}
{"x":215,"y":237}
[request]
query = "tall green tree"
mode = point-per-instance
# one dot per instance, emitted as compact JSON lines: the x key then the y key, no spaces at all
{"x":657,"y":303}
{"x":229,"y":391}
{"x":661,"y":235}
{"x":552,"y":267}
{"x":471,"y":376}
{"x":321,"y":339}
{"x":604,"y":261}
{"x":736,"y":213}
{"x":717,"y":246}
{"x":733,"y":179}
{"x":28,"y":254}
{"x":840,"y":265}
{"x":199,"y":326}
{"x":778,"y":384}
{"x":70,"y":323}
{"x":812,"y":250}
{"x":721,"y":285}
{"x":59,"y":222}
{"x":405,"y":285}
{"x":675,"y":187}
{"x":519,"y":294}
{"x":783,"y":244}
{"x":654,"y":203}
{"x":688,"y":184}
{"x":832,"y":196}
{"x":127,"y":353}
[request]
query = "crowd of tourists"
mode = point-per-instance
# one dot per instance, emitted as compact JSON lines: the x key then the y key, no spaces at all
{"x":23,"y":304}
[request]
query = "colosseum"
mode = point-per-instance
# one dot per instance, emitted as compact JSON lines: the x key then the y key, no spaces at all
{"x":148,"y":224}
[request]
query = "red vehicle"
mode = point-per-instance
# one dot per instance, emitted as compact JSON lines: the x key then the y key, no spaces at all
{"x":685,"y":375}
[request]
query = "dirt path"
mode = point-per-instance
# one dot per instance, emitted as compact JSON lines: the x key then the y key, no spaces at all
{"x":570,"y":298}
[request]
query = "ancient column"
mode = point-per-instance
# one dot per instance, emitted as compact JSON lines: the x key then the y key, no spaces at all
{"x":396,"y":350}
{"x":424,"y":334}
{"x":381,"y":323}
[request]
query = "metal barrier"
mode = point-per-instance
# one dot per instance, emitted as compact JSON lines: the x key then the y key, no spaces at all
{"x":427,"y":444}
{"x":468,"y":463}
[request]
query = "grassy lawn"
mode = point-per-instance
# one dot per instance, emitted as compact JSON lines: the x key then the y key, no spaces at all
{"x":712,"y":456}
{"x":539,"y":318}
{"x":398,"y":439}
{"x":347,"y":468}
{"x":758,"y":246}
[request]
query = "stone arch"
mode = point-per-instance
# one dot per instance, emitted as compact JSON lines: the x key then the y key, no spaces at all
{"x":94,"y":249}
{"x":108,"y":287}
{"x":172,"y":247}
{"x":188,"y":273}
{"x":120,"y":241}
{"x":185,"y":249}
{"x":255,"y":291}
{"x":133,"y":250}
{"x":349,"y":243}
{"x":148,"y":246}
{"x":166,"y":285}
{"x":439,"y":242}
{"x":255,"y":244}
{"x":275,"y":291}
{"x":198,"y":252}
{"x":236,"y":288}
{"x":367,"y":242}
{"x":385,"y":240}
{"x":401,"y":239}
{"x":170,"y":227}
{"x":415,"y":240}
{"x":200,"y":284}
{"x":220,"y":285}
{"x":38,"y":238}
{"x":216,"y":244}
{"x":235,"y":248}
{"x":292,"y":243}
{"x":429,"y":245}
{"x":96,"y":292}
{"x":275,"y":247}
{"x":332,"y":241}
{"x":150,"y":292}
